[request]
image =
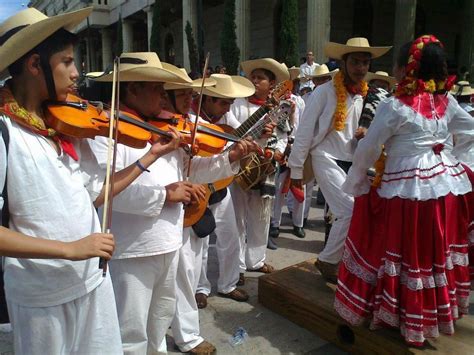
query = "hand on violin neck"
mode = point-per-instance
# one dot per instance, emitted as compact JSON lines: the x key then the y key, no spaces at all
{"x":268,"y":130}
{"x":243,"y":148}
{"x":165,"y":145}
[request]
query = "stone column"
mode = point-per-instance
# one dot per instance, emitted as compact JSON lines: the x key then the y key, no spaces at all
{"x":127,"y":35}
{"x":149,"y":22}
{"x":318,"y":28}
{"x":106,"y":47}
{"x":189,"y":14}
{"x":404,"y":31}
{"x":242,"y":22}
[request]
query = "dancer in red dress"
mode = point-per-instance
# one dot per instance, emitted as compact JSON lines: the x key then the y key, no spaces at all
{"x":405,"y":262}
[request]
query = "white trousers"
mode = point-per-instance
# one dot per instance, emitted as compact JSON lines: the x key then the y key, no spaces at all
{"x":86,"y":325}
{"x":185,"y":325}
{"x":330,"y":178}
{"x":308,"y":197}
{"x":297,"y":208}
{"x":227,"y":246}
{"x":252,"y":214}
{"x":145,"y":290}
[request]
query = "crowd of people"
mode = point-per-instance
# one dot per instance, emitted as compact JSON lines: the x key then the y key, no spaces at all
{"x":391,"y":155}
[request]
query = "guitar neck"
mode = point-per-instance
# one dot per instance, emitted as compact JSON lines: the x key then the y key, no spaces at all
{"x":250,"y":122}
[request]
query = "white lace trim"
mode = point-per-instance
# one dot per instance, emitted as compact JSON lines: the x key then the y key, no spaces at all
{"x":347,"y":314}
{"x":358,"y":270}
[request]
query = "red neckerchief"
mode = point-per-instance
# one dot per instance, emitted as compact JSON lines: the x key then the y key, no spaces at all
{"x":353,"y":89}
{"x":430,"y":106}
{"x":255,"y":101}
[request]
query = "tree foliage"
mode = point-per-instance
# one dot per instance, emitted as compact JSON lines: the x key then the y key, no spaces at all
{"x":193,"y":54}
{"x":155,"y":42}
{"x":230,"y":53}
{"x":289,"y":33}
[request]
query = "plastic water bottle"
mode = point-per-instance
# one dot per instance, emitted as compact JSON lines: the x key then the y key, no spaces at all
{"x":239,"y":337}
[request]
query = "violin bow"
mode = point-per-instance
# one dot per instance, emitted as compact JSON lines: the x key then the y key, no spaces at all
{"x":193,"y":134}
{"x":111,"y":157}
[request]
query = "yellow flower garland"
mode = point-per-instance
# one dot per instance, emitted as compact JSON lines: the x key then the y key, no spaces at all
{"x":340,"y":113}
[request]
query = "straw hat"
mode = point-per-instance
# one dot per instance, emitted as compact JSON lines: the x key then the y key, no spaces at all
{"x":280,"y":70}
{"x":381,"y":75}
{"x":28,"y":28}
{"x":462,"y":88}
{"x":143,"y":66}
{"x":356,"y":44}
{"x":230,"y":87}
{"x":322,"y":71}
{"x":294,"y":73}
{"x":191,"y":84}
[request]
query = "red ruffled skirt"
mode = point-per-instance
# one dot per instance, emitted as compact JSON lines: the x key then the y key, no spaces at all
{"x":406,"y":264}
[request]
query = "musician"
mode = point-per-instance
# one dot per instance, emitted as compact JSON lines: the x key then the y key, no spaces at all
{"x":463,"y":92}
{"x":253,"y":207}
{"x":381,"y":79}
{"x":216,"y":102}
{"x":328,"y":133}
{"x":54,"y":185}
{"x":148,"y":215}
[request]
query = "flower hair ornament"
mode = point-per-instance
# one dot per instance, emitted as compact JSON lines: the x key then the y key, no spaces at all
{"x":411,"y":85}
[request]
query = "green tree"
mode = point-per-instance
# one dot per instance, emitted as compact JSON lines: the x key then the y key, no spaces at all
{"x":119,"y":43}
{"x":155,"y":43}
{"x":289,"y":33}
{"x":230,"y":53}
{"x":193,"y":54}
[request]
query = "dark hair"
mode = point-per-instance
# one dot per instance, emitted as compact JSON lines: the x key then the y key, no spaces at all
{"x":345,"y":56}
{"x":269,"y":74}
{"x":433,"y":63}
{"x":403,"y":54}
{"x":55,"y":43}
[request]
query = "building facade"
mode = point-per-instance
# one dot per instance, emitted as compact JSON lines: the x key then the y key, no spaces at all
{"x":383,"y":22}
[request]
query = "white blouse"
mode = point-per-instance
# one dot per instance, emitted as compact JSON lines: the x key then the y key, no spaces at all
{"x":413,"y":169}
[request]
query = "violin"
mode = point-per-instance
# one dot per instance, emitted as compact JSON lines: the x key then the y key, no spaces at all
{"x":210,"y":138}
{"x":76,"y":117}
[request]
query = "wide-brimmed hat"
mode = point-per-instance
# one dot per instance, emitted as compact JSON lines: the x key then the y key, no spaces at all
{"x":230,"y":87}
{"x":28,"y":28}
{"x":321,"y":71}
{"x":280,"y":70}
{"x":381,"y":75}
{"x":462,"y":88}
{"x":295,"y":73}
{"x":353,"y":45}
{"x":142,"y":66}
{"x":191,"y":84}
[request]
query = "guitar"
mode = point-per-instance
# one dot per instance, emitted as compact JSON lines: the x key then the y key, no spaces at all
{"x":194,"y":212}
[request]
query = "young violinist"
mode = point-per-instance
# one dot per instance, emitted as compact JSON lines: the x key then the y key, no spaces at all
{"x":148,"y":215}
{"x":253,"y":207}
{"x":193,"y":253}
{"x":54,"y":185}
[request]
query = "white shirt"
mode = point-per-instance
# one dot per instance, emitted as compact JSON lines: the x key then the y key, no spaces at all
{"x":305,"y":70}
{"x":412,"y":169}
{"x":316,"y":135}
{"x":142,"y":222}
{"x":50,"y":197}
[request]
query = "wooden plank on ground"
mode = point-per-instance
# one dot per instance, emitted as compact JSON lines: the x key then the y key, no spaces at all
{"x":300,"y":294}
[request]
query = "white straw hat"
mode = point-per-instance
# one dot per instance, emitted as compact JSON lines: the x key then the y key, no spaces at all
{"x":462,"y":88}
{"x":142,"y":66}
{"x":381,"y":75}
{"x":230,"y":87}
{"x":26,"y":29}
{"x":280,"y":70}
{"x":322,"y":71}
{"x":192,"y":84}
{"x":356,"y":44}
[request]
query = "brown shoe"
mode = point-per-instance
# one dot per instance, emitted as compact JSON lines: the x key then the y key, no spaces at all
{"x":328,"y":271}
{"x":205,"y":348}
{"x":241,"y":281}
{"x":201,"y":300}
{"x":266,"y":269}
{"x":237,"y":294}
